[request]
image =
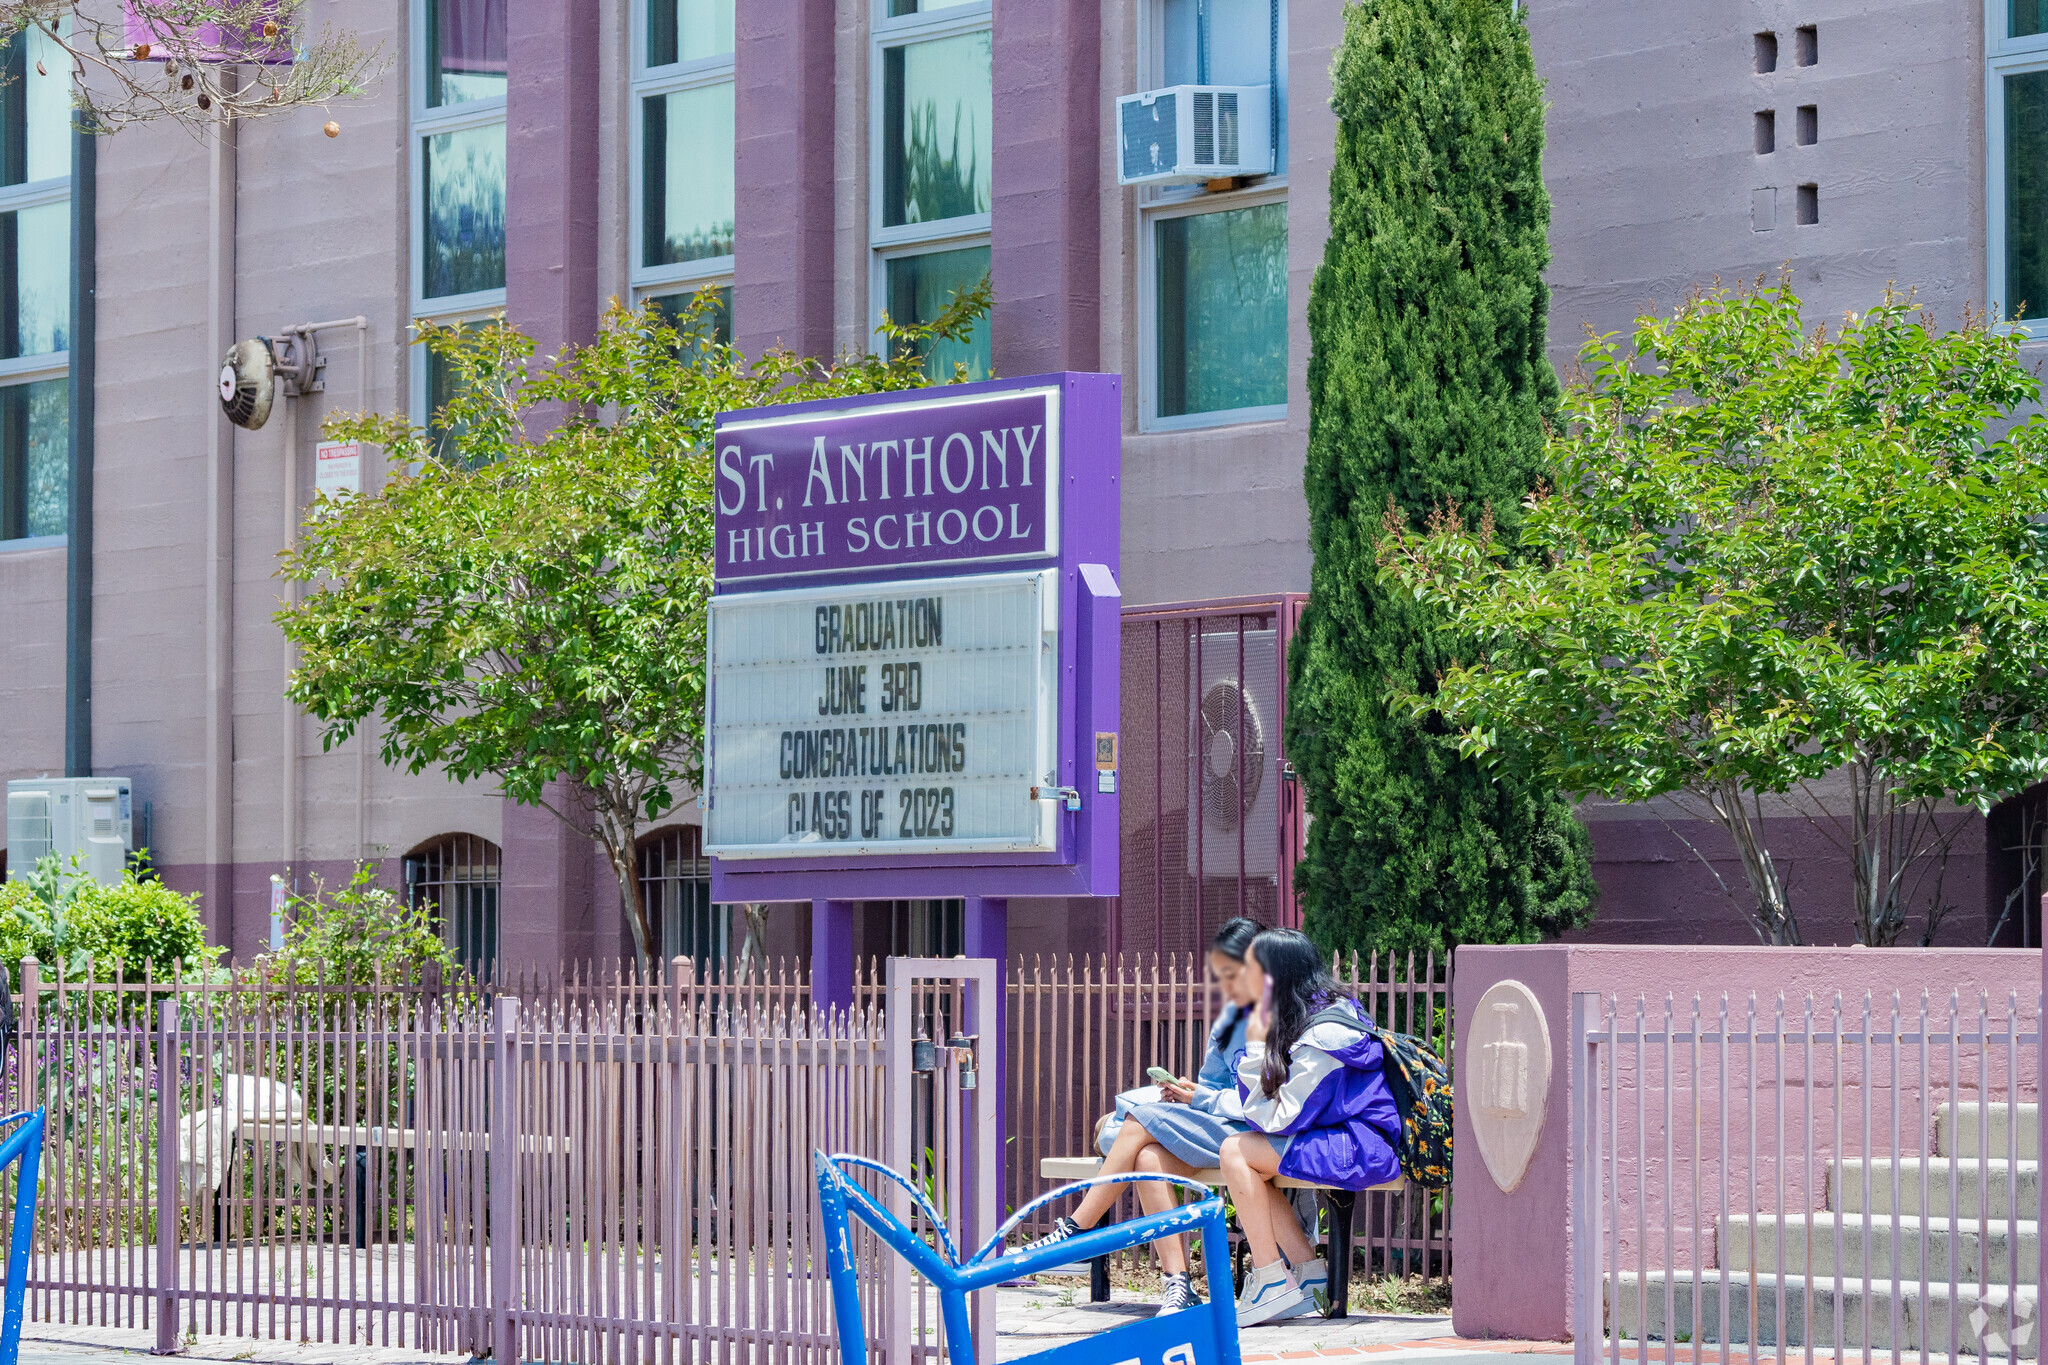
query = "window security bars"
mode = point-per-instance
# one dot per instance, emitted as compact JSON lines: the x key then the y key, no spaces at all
{"x":457,"y":879}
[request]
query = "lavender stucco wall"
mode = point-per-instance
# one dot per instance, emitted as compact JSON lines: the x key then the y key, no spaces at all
{"x":1515,"y":1251}
{"x":782,"y":262}
{"x":1047,"y":175}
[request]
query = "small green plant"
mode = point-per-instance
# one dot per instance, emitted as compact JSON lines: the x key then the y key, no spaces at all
{"x":358,"y":933}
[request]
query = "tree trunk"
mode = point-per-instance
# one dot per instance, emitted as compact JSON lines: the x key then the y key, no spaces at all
{"x":1773,"y":917}
{"x":616,"y":836}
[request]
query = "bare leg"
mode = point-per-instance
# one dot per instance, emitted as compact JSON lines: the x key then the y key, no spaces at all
{"x":1156,"y":1198}
{"x":1264,"y":1214}
{"x":1123,"y":1156}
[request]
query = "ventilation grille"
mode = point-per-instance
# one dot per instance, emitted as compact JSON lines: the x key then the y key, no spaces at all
{"x":1205,"y":127}
{"x":1149,"y":134}
{"x":29,"y":835}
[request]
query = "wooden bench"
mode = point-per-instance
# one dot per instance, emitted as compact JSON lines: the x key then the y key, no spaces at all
{"x":1339,"y":1204}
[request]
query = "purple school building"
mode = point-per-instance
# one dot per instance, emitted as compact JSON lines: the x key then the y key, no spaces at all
{"x":820,"y":163}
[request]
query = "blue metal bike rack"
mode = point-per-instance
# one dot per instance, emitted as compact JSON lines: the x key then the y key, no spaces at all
{"x":1205,"y":1335}
{"x":24,"y":1144}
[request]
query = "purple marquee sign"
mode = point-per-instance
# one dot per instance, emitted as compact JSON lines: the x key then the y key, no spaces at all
{"x":958,"y":481}
{"x":914,"y":645}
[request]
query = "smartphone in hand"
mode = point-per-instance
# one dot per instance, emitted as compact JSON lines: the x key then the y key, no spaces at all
{"x":1159,"y":1075}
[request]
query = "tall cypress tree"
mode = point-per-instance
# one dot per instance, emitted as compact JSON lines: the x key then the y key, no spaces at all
{"x":1428,"y":385}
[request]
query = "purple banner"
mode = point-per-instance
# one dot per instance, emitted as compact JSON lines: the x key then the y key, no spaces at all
{"x":933,"y":480}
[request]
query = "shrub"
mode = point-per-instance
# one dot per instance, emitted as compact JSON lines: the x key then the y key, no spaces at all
{"x":70,"y":923}
{"x":356,"y":934}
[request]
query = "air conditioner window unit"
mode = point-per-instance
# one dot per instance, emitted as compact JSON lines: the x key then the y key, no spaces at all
{"x":91,"y":819}
{"x":1194,"y":132}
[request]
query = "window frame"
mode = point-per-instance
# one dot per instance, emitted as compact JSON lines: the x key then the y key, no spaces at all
{"x":2003,"y":57}
{"x":885,"y":243}
{"x":425,"y":122}
{"x":1157,"y":203}
{"x":428,"y":122}
{"x":647,"y":81}
{"x":1149,"y":419}
{"x":32,"y":369}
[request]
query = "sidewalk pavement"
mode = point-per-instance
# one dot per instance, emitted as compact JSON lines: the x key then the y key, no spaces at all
{"x":1028,"y":1320}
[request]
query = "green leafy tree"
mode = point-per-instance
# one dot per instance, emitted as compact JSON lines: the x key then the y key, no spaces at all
{"x":1427,"y":382}
{"x":1779,"y":573}
{"x":534,"y":609}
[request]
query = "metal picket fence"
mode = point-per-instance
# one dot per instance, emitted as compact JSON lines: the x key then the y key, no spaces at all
{"x":1084,"y":1029}
{"x":1806,"y":1177}
{"x":560,"y":1173}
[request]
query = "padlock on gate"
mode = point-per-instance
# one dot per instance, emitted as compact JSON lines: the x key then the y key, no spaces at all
{"x":963,"y":1046}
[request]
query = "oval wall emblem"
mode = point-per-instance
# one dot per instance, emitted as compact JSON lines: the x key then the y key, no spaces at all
{"x":1509,"y":1044}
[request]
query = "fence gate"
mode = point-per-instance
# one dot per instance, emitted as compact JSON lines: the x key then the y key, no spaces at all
{"x":943,"y":1127}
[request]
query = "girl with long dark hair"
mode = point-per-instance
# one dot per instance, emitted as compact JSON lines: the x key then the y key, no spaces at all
{"x":1177,"y":1128}
{"x":1314,"y":1091}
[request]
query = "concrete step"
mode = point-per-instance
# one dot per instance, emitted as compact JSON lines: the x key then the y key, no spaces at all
{"x":1993,"y":1180}
{"x":1955,"y":1130}
{"x":1864,"y":1247}
{"x":1984,"y":1322}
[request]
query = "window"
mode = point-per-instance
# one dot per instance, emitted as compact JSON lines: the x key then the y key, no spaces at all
{"x":675,"y":886}
{"x":456,"y":879}
{"x":458,"y":123}
{"x":35,"y":288}
{"x":932,"y":131}
{"x":2016,"y":178}
{"x":1214,"y":284}
{"x":683,"y":204}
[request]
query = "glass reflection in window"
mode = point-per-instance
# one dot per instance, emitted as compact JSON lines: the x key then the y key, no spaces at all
{"x":35,"y":110}
{"x":688,"y":30}
{"x":35,"y":280}
{"x":463,"y":243}
{"x":35,"y":459}
{"x":937,"y":111}
{"x":918,"y":290}
{"x":1222,"y":310}
{"x":465,"y":51}
{"x":687,"y":175}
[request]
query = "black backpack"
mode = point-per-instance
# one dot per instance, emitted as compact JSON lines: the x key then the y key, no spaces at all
{"x":1422,"y":1096}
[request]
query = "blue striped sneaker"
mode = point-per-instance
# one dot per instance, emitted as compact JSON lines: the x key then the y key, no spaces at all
{"x":1314,"y":1279}
{"x":1269,"y":1292}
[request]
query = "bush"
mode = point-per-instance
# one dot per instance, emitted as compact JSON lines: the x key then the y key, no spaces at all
{"x":72,"y":924}
{"x":355,"y":934}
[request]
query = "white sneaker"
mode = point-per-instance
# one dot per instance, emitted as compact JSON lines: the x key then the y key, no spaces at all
{"x":1269,"y":1292}
{"x":1063,"y":1227}
{"x":1314,"y":1279}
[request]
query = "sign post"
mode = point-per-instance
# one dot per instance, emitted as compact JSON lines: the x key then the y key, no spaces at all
{"x":914,"y":656}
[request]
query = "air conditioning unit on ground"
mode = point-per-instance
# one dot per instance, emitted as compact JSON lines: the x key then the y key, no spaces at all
{"x":1234,"y":734}
{"x":1194,"y":132}
{"x":91,"y":818}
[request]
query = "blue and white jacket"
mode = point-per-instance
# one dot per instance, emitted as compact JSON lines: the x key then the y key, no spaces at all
{"x":1334,"y":1107}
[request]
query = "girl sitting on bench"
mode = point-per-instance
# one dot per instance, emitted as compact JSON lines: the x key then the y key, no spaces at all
{"x":1179,"y":1127}
{"x":1315,"y":1094}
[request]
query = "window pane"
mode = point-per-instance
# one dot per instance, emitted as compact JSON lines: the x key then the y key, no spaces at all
{"x":465,"y":51}
{"x":717,"y":320}
{"x":899,"y":8}
{"x":686,"y":168}
{"x":687,"y":30}
{"x":464,"y":246}
{"x":35,"y":280}
{"x":35,"y":110}
{"x":443,"y":383}
{"x":920,"y":287}
{"x":35,"y":459}
{"x":2026,"y":195}
{"x":1223,"y":311}
{"x":2029,"y":17}
{"x":937,"y":104}
{"x":1219,"y":42}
